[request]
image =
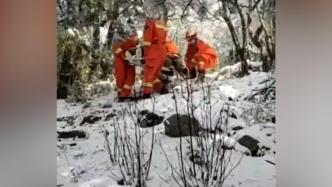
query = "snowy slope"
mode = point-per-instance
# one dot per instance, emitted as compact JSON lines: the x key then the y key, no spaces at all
{"x":85,"y":161}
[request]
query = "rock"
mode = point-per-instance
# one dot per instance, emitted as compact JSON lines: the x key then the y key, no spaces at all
{"x":86,"y":105}
{"x":90,"y":119}
{"x":143,"y":112}
{"x":273,"y":119}
{"x":73,"y":144}
{"x":72,"y":134}
{"x":266,"y":148}
{"x":121,"y":182}
{"x":150,"y":119}
{"x":236,"y":128}
{"x":109,"y":116}
{"x":181,"y":125}
{"x":232,"y":115}
{"x":250,"y":143}
{"x":106,"y":105}
{"x":69,"y":119}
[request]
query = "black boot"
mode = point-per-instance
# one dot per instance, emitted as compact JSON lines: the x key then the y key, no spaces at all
{"x":145,"y":96}
{"x":125,"y":99}
{"x":192,"y":74}
{"x":164,"y":90}
{"x":122,"y":99}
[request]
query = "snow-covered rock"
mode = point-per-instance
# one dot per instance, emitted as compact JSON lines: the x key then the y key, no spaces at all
{"x":226,"y":141}
{"x":229,"y":92}
{"x":181,"y":125}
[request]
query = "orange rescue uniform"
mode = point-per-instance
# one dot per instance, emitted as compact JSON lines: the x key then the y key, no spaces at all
{"x":124,"y":73}
{"x":172,"y":49}
{"x":201,"y":56}
{"x":155,"y":32}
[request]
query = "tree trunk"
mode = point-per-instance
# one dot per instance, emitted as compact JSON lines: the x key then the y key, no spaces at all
{"x":96,"y":38}
{"x":113,"y":16}
{"x":240,"y":49}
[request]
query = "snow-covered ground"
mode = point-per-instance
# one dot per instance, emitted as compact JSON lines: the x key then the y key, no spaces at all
{"x":85,"y":161}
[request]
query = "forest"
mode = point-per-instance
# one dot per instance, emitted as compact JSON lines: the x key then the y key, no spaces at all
{"x":215,"y":131}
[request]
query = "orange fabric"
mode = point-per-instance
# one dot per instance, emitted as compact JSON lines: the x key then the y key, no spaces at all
{"x":172,"y":49}
{"x":201,"y":55}
{"x":124,"y":73}
{"x":155,"y":33}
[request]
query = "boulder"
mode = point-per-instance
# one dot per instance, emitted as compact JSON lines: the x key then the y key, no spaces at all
{"x":233,"y":115}
{"x":150,"y":119}
{"x":181,"y":125}
{"x":236,"y":128}
{"x":90,"y":119}
{"x":71,"y":134}
{"x":250,"y":143}
{"x":70,"y":120}
{"x":110,"y":116}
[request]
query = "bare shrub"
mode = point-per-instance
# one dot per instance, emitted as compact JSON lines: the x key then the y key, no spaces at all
{"x":206,"y":160}
{"x":131,"y":154}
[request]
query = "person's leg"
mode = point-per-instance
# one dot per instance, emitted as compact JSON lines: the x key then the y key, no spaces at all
{"x":148,"y":80}
{"x":129,"y":81}
{"x":152,"y":68}
{"x":192,"y":73}
{"x":158,"y":84}
{"x":119,"y":71}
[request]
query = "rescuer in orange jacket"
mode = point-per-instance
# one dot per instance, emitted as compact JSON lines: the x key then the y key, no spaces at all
{"x":124,"y":73}
{"x":155,"y":32}
{"x":200,"y":57}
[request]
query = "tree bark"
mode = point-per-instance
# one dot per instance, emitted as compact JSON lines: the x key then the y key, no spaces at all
{"x":240,"y":49}
{"x":113,"y":16}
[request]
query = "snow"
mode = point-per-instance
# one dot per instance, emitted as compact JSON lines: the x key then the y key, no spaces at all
{"x":99,"y":182}
{"x":103,"y":34}
{"x":139,"y":33}
{"x":71,"y":32}
{"x":65,"y":109}
{"x":87,"y":163}
{"x":229,"y":91}
{"x":227,"y":141}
